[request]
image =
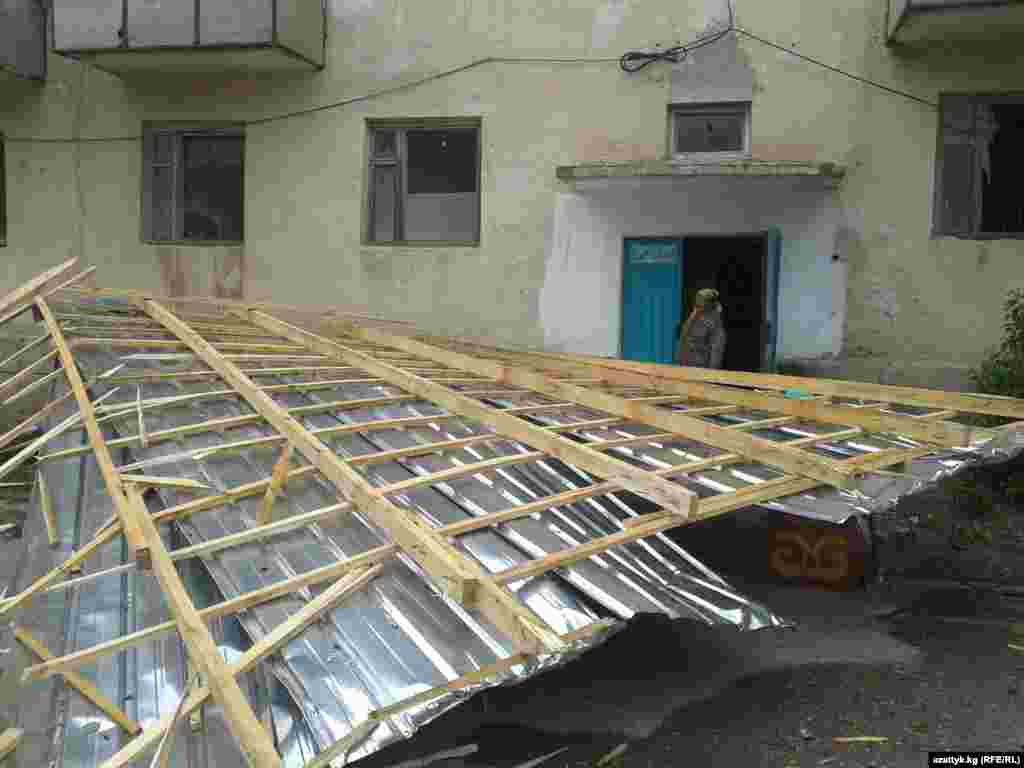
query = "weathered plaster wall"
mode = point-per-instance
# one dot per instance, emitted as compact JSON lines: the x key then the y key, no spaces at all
{"x":304,"y":178}
{"x":580,"y":301}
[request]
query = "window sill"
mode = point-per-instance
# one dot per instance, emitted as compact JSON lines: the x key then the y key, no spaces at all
{"x":197,"y":243}
{"x":980,"y":235}
{"x":423,"y":244}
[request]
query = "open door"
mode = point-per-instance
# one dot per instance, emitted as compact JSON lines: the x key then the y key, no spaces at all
{"x":772,"y":264}
{"x":652,"y":289}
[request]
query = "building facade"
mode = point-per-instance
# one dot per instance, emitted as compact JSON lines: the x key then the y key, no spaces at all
{"x":842,"y":172}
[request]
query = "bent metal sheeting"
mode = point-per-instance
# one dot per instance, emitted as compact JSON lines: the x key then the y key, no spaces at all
{"x":291,"y":538}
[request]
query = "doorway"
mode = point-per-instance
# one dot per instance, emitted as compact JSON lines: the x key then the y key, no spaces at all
{"x":733,"y":266}
{"x":661,"y":277}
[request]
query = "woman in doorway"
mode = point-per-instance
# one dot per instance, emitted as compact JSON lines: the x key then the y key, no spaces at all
{"x":702,"y":338}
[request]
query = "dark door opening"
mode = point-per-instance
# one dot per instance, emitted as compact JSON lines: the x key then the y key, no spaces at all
{"x":735,"y":267}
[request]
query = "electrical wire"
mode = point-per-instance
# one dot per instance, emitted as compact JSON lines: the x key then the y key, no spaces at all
{"x":630,"y":62}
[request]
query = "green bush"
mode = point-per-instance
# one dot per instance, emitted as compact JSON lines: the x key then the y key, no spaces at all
{"x":1002,"y":372}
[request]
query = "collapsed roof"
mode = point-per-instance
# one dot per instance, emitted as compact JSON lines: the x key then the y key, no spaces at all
{"x":271,"y":536}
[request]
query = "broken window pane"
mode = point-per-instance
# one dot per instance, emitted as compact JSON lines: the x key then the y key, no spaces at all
{"x":384,"y":182}
{"x":433,"y":195}
{"x":1002,"y":205}
{"x":212,"y":204}
{"x":441,"y":162}
{"x":980,"y":160}
{"x":704,"y":130}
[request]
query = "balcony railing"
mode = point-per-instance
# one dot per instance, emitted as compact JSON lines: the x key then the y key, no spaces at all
{"x":927,"y":22}
{"x":198,"y":36}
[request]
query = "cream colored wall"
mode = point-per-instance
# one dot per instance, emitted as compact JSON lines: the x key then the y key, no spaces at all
{"x":304,"y":177}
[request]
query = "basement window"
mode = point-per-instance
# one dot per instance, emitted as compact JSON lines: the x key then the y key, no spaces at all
{"x":713,"y":130}
{"x":979,"y":164}
{"x":424,"y":183}
{"x":193,"y":182}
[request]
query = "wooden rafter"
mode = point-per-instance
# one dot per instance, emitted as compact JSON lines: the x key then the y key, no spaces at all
{"x":669,"y":495}
{"x":944,"y":434}
{"x":784,"y":457}
{"x":461,"y":577}
{"x":255,"y":743}
{"x":136,"y":545}
{"x":19,"y":300}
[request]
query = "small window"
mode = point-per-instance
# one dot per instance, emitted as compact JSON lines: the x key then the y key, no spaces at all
{"x":979,"y":164}
{"x":193,"y":185}
{"x":424,"y":183}
{"x":711,"y":129}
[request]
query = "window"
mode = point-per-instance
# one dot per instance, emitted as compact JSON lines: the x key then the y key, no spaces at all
{"x":979,"y":163}
{"x":711,"y":129}
{"x":424,"y":183}
{"x":193,"y":185}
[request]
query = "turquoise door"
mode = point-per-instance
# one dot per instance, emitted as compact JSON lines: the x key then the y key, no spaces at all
{"x":773,"y":259}
{"x":652,"y":291}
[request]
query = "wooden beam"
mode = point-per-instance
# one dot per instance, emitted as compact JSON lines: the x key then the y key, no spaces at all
{"x":266,"y":645}
{"x":458,"y":575}
{"x":343,"y":746}
{"x":181,"y":483}
{"x":961,"y":402}
{"x":24,"y":454}
{"x":252,"y":738}
{"x":784,"y":457}
{"x":46,"y":507}
{"x":669,"y":495}
{"x":163,"y":751}
{"x":460,"y":471}
{"x":943,"y":434}
{"x":28,"y":291}
{"x":278,"y":476}
{"x":237,"y":604}
{"x":27,"y":347}
{"x":136,"y":544}
{"x":88,"y":691}
{"x":17,"y":381}
{"x":9,"y":741}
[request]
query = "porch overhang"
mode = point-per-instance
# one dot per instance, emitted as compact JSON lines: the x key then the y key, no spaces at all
{"x":587,"y":176}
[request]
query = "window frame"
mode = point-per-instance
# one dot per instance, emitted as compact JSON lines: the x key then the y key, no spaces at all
{"x":742,"y":108}
{"x":938,"y":196}
{"x":401,"y":162}
{"x":181,"y":131}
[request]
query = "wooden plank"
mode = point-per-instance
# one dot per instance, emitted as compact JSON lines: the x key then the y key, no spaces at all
{"x":181,"y":483}
{"x":283,"y":588}
{"x":278,"y":476}
{"x":266,"y":645}
{"x":255,"y":743}
{"x":461,"y":577}
{"x":661,"y":492}
{"x":9,"y":741}
{"x":17,"y":381}
{"x":88,"y":691}
{"x":459,"y":471}
{"x":949,"y":435}
{"x":46,"y":507}
{"x":961,"y":402}
{"x":136,"y":544}
{"x":789,"y":459}
{"x":343,"y":746}
{"x":28,"y":291}
{"x":27,"y":347}
{"x":112,"y":343}
{"x":23,"y":454}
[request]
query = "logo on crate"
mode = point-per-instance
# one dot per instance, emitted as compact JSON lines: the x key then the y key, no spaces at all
{"x":810,"y":556}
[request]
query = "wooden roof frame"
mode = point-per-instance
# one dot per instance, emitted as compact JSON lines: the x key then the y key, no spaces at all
{"x":463,"y":377}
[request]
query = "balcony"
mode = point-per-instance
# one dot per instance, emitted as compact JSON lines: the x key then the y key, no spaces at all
{"x":22,"y":39}
{"x":199,"y":37}
{"x":929,"y":22}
